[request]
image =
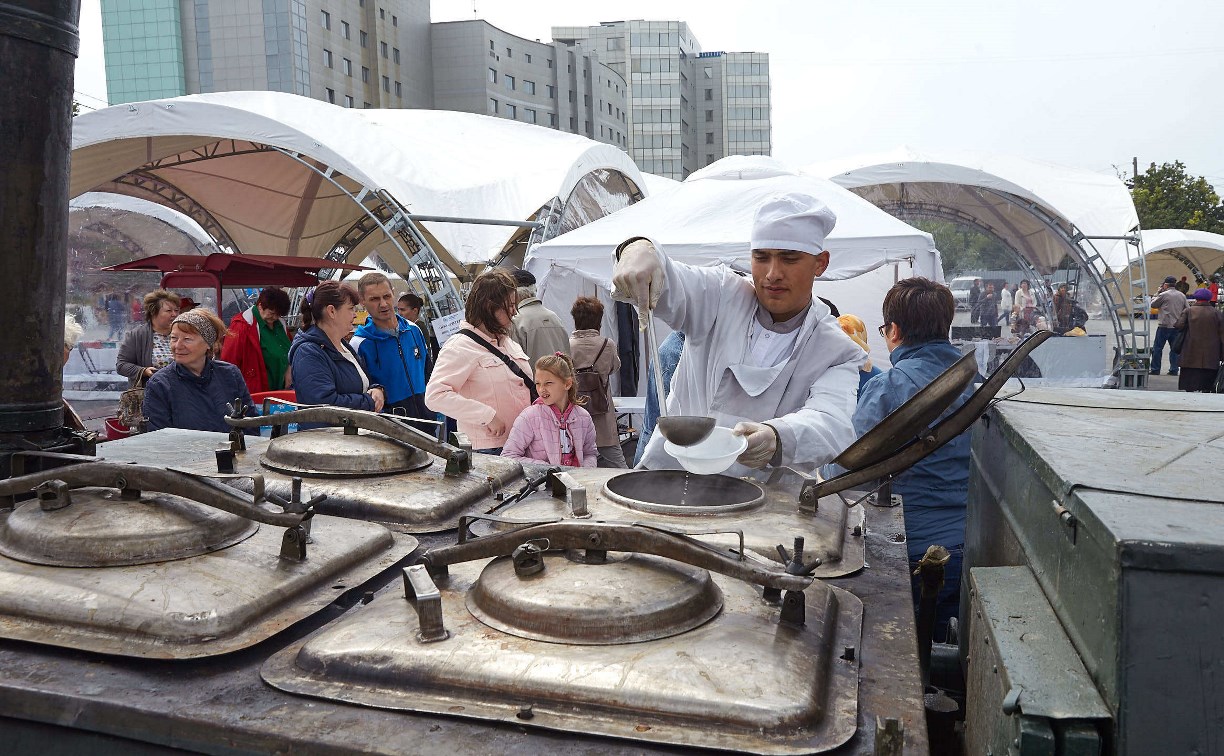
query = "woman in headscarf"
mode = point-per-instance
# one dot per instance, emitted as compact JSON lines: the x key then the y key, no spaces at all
{"x":1203,"y":346}
{"x":195,"y":391}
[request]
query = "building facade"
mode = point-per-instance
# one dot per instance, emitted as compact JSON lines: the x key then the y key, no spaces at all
{"x":686,"y":108}
{"x":644,"y":86}
{"x":367,"y":53}
{"x":479,"y":68}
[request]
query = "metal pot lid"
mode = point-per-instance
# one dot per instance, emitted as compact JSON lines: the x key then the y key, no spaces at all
{"x":628,"y":599}
{"x":683,"y":493}
{"x":331,"y":452}
{"x":101,"y":528}
{"x":911,"y":418}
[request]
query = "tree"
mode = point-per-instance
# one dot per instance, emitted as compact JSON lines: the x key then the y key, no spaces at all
{"x":1167,"y":197}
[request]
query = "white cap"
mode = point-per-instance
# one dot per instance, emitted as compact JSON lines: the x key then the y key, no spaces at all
{"x":792,"y":221}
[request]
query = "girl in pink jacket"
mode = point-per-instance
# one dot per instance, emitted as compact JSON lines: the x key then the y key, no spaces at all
{"x":554,"y":430}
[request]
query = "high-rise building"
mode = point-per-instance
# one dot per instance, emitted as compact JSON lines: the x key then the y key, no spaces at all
{"x":686,"y":108}
{"x":368,"y":53}
{"x":644,"y":86}
{"x":479,"y":68}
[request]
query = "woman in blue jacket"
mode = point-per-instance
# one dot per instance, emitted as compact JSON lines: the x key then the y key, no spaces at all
{"x":325,"y":368}
{"x":195,"y":390}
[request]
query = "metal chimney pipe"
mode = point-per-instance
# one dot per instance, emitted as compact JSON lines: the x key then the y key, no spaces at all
{"x":38,"y":49}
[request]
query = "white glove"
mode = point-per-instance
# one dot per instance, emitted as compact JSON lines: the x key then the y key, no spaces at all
{"x":638,"y":274}
{"x":762,"y":444}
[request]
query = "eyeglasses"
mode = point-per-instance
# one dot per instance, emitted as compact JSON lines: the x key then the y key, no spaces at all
{"x":884,"y":328}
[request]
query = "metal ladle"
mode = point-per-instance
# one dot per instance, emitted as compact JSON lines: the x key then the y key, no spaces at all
{"x":681,"y":430}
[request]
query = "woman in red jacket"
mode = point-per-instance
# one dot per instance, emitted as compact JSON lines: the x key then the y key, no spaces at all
{"x":259,"y":344}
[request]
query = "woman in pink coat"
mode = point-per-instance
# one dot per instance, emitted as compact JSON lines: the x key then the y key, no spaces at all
{"x":473,"y":380}
{"x":554,"y":430}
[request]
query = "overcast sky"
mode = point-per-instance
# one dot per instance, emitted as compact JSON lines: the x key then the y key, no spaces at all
{"x":1083,"y":83}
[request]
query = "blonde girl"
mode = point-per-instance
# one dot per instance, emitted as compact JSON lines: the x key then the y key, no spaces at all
{"x":554,"y":430}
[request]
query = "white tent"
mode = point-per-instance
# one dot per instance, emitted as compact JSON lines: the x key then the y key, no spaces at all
{"x":1181,"y":252}
{"x":1016,"y":199}
{"x":279,"y":174}
{"x":707,"y":220}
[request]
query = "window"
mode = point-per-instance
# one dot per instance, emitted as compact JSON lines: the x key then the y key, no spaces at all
{"x":709,"y":72}
{"x":512,"y":110}
{"x":573,"y":124}
{"x":586,"y":126}
{"x":491,"y":45}
{"x":395,"y":55}
{"x":509,"y":53}
{"x":347,"y":67}
{"x":551,"y":90}
{"x":325,"y":19}
{"x":395,"y":20}
{"x":528,"y":86}
{"x":528,"y":56}
{"x":552,"y":120}
{"x":331,"y":96}
{"x":386,"y":82}
{"x":399,"y":89}
{"x":348,"y":101}
{"x":709,"y":95}
{"x":492,"y":106}
{"x":709,"y":137}
{"x":365,"y":40}
{"x":529,"y":115}
{"x":550,"y":62}
{"x":365,"y":75}
{"x":382,"y":48}
{"x":509,"y":81}
{"x":709,"y":116}
{"x":382,"y":14}
{"x":616,"y":43}
{"x":344,"y":29}
{"x":709,"y":158}
{"x":609,"y":108}
{"x":492,"y":75}
{"x":327,"y":58}
{"x":366,"y":105}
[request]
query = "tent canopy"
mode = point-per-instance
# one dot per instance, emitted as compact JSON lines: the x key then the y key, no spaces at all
{"x":220,"y":270}
{"x":1016,"y":199}
{"x":238,"y":162}
{"x":1181,"y":252}
{"x":707,"y":220}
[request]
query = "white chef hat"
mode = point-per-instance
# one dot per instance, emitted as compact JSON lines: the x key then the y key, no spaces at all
{"x":792,"y":221}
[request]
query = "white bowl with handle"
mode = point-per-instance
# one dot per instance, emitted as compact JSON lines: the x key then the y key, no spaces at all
{"x":712,"y":456}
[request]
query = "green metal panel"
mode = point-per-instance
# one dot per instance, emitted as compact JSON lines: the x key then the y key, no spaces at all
{"x":1101,"y":494}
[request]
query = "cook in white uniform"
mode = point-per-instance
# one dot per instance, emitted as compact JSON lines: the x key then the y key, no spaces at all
{"x":763,"y":356}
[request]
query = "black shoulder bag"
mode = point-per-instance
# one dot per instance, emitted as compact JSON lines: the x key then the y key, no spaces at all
{"x":527,"y":381}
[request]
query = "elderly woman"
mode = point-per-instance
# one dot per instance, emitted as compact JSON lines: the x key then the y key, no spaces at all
{"x":146,"y":349}
{"x":326,"y":370}
{"x":1203,"y":347}
{"x":482,"y":376}
{"x":258,"y":343}
{"x":194,"y":392}
{"x":591,"y":350}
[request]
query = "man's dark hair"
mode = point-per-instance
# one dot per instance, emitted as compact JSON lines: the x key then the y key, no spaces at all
{"x":274,"y":299}
{"x":491,"y":291}
{"x":587,"y":313}
{"x":414,"y":301}
{"x":921,"y":308}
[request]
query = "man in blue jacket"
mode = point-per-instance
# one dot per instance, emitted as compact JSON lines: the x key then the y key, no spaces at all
{"x":934,"y":493}
{"x":393,"y":351}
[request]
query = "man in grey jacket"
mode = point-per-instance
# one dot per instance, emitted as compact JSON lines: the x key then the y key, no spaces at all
{"x":537,"y":329}
{"x":1172,"y":303}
